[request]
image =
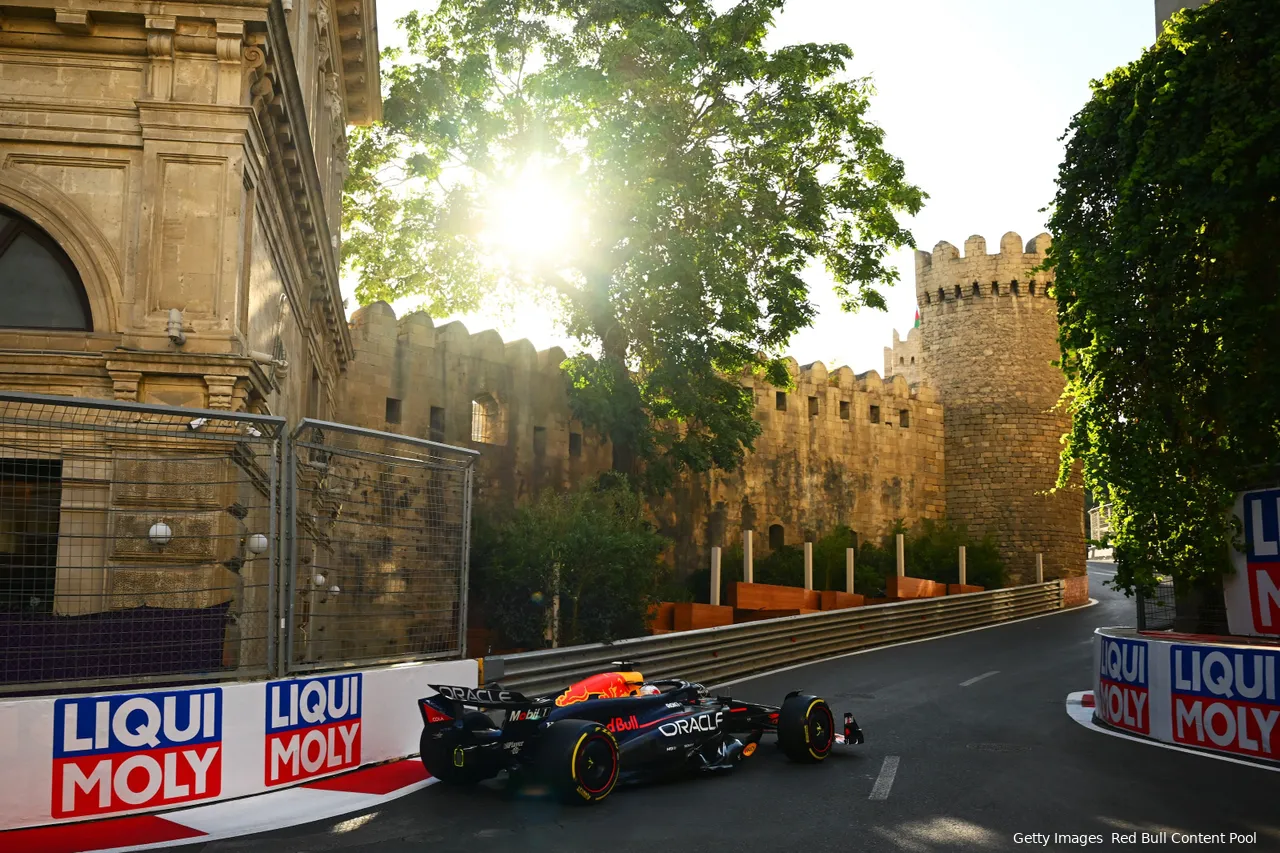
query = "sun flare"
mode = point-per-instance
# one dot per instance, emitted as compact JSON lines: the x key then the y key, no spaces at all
{"x":530,"y":220}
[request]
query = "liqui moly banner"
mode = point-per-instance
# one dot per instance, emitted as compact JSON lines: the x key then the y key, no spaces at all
{"x":1226,"y":698}
{"x":1123,"y":686}
{"x":313,"y":727}
{"x":82,"y":757}
{"x":136,"y":750}
{"x":1214,"y":696}
{"x":1252,"y":593}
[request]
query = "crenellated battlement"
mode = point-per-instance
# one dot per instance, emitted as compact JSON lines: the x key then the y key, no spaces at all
{"x":945,"y":276}
{"x":377,"y":321}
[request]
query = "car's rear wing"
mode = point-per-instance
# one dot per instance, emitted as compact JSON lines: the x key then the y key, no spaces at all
{"x":483,"y":697}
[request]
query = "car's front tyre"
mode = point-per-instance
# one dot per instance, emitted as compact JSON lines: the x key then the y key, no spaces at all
{"x":806,"y":729}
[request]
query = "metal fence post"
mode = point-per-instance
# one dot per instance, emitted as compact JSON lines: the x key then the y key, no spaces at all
{"x":715,"y":574}
{"x":808,"y":565}
{"x":746,"y":557}
{"x":902,"y":556}
{"x":848,"y":569}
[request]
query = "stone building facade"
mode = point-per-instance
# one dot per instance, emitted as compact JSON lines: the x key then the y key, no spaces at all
{"x":170,"y":207}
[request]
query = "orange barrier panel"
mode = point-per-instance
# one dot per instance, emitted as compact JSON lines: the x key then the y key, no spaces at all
{"x":957,"y":589}
{"x":757,"y":615}
{"x":661,"y":616}
{"x":689,"y":617}
{"x":897,"y":587}
{"x":763,"y":596}
{"x":834,"y":600}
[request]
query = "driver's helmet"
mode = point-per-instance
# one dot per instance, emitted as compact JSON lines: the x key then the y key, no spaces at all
{"x":649,"y":690}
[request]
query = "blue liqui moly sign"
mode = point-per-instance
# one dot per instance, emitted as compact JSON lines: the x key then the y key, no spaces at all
{"x":136,"y":750}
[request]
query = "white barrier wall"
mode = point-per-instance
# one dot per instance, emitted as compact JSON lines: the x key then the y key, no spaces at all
{"x":68,"y":758}
{"x":1212,"y":696}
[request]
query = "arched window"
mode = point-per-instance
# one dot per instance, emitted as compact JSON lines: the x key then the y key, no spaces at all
{"x":777,"y":537}
{"x":488,"y":420}
{"x":39,"y":286}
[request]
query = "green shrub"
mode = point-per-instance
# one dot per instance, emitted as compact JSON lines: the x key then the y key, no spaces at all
{"x":608,"y":559}
{"x":931,"y":552}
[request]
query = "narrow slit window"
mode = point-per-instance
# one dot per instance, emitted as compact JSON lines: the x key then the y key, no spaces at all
{"x":904,"y":418}
{"x":393,"y":410}
{"x":780,"y":401}
{"x":844,"y":410}
{"x":875,"y":414}
{"x":813,"y":407}
{"x":575,"y":444}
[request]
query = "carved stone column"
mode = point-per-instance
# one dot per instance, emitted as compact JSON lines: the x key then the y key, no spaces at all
{"x":160,"y":32}
{"x":221,"y":391}
{"x":230,"y":73}
{"x":124,"y":384}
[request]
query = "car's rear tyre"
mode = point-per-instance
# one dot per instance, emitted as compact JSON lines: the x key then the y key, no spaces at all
{"x":806,"y":729}
{"x":578,"y":760}
{"x":442,"y":758}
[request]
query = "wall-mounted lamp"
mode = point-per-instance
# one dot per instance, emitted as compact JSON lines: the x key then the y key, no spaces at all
{"x":160,"y":534}
{"x":175,"y":327}
{"x":257,"y":544}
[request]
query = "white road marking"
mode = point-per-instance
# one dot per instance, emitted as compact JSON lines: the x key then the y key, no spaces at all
{"x":978,"y":678}
{"x":1092,"y":602}
{"x":888,"y":770}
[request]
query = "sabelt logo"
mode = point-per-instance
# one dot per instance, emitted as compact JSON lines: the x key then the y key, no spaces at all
{"x":313,"y":727}
{"x":623,"y":724}
{"x":136,"y":750}
{"x":476,"y":697}
{"x":689,"y":725}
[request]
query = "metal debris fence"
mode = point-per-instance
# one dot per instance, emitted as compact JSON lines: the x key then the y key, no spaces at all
{"x":143,"y":543}
{"x":379,"y":526}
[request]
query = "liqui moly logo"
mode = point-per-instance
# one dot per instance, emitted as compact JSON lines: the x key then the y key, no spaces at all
{"x":136,"y":751}
{"x":1262,"y":539}
{"x":1123,"y":685}
{"x":313,"y":727}
{"x":1226,"y":699}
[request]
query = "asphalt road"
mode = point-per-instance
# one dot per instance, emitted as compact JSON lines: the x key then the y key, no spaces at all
{"x":974,"y":725}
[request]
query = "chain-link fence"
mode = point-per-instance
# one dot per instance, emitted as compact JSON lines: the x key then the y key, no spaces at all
{"x":1157,"y":610}
{"x":136,"y":542}
{"x":379,"y":526}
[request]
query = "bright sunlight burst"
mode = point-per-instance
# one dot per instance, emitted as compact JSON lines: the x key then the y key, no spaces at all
{"x":531,"y":219}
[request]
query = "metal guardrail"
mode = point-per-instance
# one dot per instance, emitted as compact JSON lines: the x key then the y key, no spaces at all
{"x":717,"y":655}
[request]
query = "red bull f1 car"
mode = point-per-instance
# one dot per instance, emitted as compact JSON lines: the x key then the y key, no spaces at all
{"x":613,"y":728}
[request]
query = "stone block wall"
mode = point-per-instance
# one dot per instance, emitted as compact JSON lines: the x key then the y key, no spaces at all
{"x":989,"y":340}
{"x":905,"y":358}
{"x":836,"y":449}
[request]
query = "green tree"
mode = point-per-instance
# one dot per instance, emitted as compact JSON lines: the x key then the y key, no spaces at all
{"x":1168,"y":288}
{"x":708,"y":172}
{"x":592,"y":546}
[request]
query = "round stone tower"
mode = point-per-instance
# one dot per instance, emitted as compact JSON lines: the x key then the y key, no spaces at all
{"x":989,"y":336}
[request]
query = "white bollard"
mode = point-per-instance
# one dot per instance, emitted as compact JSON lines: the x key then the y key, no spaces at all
{"x":848,"y":570}
{"x":902,"y":556}
{"x":746,"y":556}
{"x":961,"y":565}
{"x":715,"y":574}
{"x":1039,"y":567}
{"x":808,"y":565}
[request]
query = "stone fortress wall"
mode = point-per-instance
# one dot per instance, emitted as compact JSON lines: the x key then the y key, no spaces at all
{"x":989,"y":343}
{"x":958,"y":425}
{"x":838,"y":448}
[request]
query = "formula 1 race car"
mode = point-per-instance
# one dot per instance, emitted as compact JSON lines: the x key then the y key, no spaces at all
{"x":613,"y":727}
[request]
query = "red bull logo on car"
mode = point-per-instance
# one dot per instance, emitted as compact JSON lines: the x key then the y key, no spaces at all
{"x":136,"y":751}
{"x":1226,"y":699}
{"x":313,"y":727}
{"x":1123,"y":685}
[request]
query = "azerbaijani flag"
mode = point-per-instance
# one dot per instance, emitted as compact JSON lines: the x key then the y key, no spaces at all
{"x":917,"y":318}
